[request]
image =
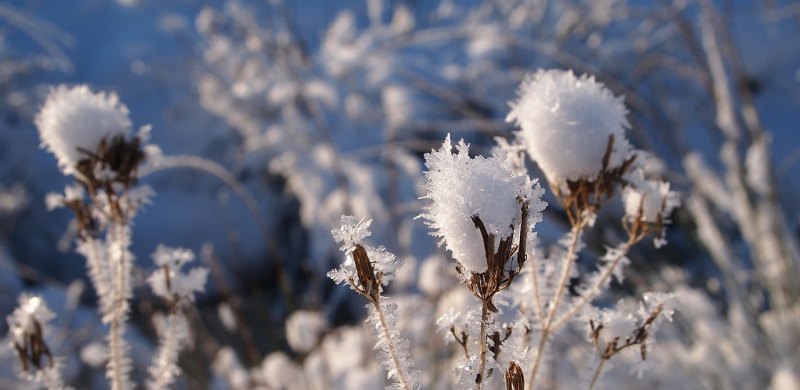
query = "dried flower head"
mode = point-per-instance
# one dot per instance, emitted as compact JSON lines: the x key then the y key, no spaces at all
{"x":365,"y":268}
{"x":26,"y":327}
{"x":648,"y":204}
{"x":170,"y":281}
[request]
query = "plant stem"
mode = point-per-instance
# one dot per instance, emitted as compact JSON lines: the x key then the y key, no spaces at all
{"x":482,"y":341}
{"x":401,"y":374}
{"x":562,"y":284}
{"x":119,"y":263}
{"x":592,"y":293}
{"x":115,"y":344}
{"x":596,"y":375}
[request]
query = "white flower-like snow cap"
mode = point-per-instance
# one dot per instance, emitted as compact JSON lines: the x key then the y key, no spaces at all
{"x":566,"y":122}
{"x":73,"y":120}
{"x":461,"y":187}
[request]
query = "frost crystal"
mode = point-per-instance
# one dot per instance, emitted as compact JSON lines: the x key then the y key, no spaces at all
{"x":73,"y":121}
{"x":173,"y":334}
{"x":394,"y":351}
{"x":566,"y":123}
{"x":351,"y":232}
{"x":461,"y":187}
{"x":169,"y":281}
{"x":303,"y":330}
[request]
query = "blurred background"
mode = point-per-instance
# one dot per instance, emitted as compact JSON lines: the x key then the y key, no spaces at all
{"x":288,"y":114}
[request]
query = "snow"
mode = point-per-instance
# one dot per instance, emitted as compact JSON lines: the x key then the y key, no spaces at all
{"x":73,"y":121}
{"x":566,"y":122}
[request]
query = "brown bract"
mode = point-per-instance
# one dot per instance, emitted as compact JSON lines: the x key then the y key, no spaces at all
{"x":33,"y":349}
{"x":501,"y":270}
{"x":369,"y":280}
{"x":584,"y":195}
{"x":120,"y":158}
{"x":118,"y":155}
{"x":515,"y":380}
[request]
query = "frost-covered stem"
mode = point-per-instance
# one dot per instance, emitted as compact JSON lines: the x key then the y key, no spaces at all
{"x":401,"y":374}
{"x":164,"y":369}
{"x":562,"y":284}
{"x":116,"y":346}
{"x":596,"y":375}
{"x":595,"y":290}
{"x":120,"y":264}
{"x":99,"y":273}
{"x":482,"y":341}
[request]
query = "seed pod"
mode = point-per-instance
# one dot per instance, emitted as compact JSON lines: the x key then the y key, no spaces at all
{"x":515,"y":379}
{"x":365,"y":271}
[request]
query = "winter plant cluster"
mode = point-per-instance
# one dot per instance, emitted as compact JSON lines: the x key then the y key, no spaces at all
{"x":90,"y":134}
{"x":419,"y":195}
{"x":485,"y":211}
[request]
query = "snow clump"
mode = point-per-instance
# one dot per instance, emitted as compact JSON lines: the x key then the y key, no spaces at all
{"x":566,"y":122}
{"x":73,"y":121}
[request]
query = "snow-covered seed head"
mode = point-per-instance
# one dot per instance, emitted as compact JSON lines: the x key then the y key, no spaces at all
{"x":74,"y":120}
{"x":170,"y":281}
{"x":648,"y":204}
{"x":649,"y":201}
{"x":463,"y":190}
{"x":25,"y":325}
{"x":566,"y":122}
{"x":365,"y":268}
